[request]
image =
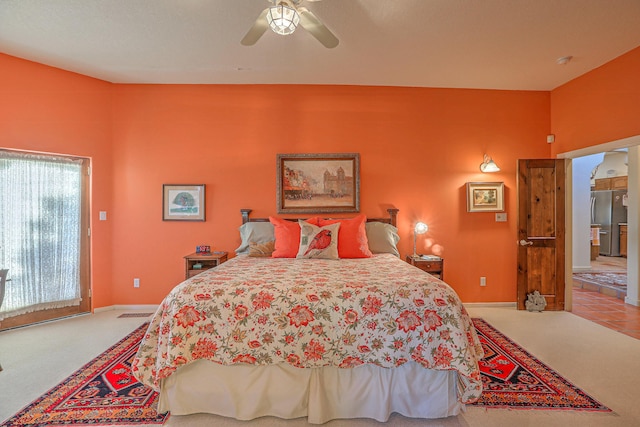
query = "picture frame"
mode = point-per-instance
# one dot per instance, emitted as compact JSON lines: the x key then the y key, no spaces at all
{"x":318,"y":183}
{"x":183,"y":202}
{"x":485,"y":196}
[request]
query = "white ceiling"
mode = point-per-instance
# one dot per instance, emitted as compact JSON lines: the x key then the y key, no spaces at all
{"x":492,"y":44}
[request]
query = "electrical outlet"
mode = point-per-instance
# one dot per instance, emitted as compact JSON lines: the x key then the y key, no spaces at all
{"x":483,"y":281}
{"x":136,"y":283}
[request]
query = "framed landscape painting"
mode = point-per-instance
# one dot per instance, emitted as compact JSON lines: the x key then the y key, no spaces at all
{"x":485,"y":196}
{"x":318,"y":183}
{"x":183,"y":202}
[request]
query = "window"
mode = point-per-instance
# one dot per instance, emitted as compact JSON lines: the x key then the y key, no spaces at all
{"x":42,"y":242}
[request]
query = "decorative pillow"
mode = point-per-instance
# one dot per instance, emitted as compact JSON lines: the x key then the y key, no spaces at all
{"x":257,"y":232}
{"x":287,"y":236}
{"x":382,"y":237}
{"x":318,"y":242}
{"x":352,"y":237}
{"x":261,"y":249}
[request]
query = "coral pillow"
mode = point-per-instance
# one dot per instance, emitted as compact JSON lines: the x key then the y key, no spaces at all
{"x":352,"y":237}
{"x":287,"y":235}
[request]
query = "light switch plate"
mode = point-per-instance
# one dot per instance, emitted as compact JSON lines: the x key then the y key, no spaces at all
{"x":501,"y":217}
{"x":103,"y":215}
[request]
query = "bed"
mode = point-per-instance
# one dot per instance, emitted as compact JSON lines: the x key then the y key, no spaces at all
{"x":359,"y":335}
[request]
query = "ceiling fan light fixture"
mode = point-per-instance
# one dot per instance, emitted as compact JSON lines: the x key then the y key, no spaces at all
{"x":283,"y":19}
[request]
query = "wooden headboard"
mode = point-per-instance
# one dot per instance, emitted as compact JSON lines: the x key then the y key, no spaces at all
{"x":393,"y":213}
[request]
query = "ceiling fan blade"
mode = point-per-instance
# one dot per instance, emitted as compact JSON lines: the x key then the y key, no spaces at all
{"x":317,"y":29}
{"x":258,"y":29}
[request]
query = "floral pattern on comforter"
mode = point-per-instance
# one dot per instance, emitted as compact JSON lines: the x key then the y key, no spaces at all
{"x":312,"y":313}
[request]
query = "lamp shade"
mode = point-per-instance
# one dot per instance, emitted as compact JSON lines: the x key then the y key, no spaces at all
{"x":488,"y":165}
{"x":282,"y":19}
{"x":420,"y":228}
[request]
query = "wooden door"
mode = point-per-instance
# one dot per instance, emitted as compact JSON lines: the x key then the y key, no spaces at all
{"x":541,"y":230}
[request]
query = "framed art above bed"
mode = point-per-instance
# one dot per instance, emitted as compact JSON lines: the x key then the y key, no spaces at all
{"x":318,"y":183}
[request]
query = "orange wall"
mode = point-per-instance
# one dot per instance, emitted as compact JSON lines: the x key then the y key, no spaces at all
{"x":600,"y":106}
{"x":49,"y":110}
{"x":418,"y":148}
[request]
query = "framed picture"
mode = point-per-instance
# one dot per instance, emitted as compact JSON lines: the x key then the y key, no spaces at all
{"x":318,"y":183}
{"x":183,"y":202}
{"x":485,"y":196}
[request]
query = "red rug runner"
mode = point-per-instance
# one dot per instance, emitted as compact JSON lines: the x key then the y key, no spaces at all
{"x":104,"y":392}
{"x":101,"y":393}
{"x":515,"y":379}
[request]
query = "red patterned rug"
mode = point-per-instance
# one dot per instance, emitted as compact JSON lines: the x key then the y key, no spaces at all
{"x":104,"y":393}
{"x":515,"y":379}
{"x":101,"y":393}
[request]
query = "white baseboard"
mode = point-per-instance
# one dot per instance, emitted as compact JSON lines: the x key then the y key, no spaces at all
{"x":632,"y":302}
{"x":490,"y":304}
{"x":581,"y":269}
{"x":149,"y":307}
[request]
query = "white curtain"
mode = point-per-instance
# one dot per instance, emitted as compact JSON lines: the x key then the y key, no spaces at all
{"x":40,"y":208}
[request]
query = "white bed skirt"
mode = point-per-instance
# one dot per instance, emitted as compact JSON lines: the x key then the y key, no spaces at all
{"x":245,"y":392}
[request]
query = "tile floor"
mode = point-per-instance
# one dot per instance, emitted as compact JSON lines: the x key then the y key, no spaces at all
{"x":607,"y":310}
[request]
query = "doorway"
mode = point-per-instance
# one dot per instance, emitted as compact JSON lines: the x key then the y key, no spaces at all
{"x":577,"y":241}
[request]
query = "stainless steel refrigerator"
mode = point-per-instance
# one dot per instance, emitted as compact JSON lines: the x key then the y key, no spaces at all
{"x":607,"y":211}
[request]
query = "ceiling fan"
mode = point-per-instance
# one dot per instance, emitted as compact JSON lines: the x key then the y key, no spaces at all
{"x":283,"y":18}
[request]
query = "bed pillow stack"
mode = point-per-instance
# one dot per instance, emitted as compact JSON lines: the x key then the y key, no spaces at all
{"x":280,"y":238}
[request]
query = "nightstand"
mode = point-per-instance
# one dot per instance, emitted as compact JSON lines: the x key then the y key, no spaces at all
{"x":435,"y":268}
{"x":205,"y":261}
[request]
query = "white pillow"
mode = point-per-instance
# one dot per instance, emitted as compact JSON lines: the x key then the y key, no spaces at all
{"x":256,"y":232}
{"x":318,"y":242}
{"x":382,"y":237}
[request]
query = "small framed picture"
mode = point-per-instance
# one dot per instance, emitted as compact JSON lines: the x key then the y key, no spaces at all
{"x":485,"y":196}
{"x":183,"y":202}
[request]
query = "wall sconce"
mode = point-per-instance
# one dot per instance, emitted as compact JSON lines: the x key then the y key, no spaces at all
{"x":488,"y":165}
{"x":420,"y":228}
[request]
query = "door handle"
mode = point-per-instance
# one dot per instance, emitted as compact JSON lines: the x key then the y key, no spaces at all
{"x":525,"y":243}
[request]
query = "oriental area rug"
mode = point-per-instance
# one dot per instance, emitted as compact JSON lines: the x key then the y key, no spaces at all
{"x":105,"y":393}
{"x":101,"y":393}
{"x":514,"y":379}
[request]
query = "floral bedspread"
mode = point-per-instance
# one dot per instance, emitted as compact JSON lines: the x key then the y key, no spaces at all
{"x":313,"y":313}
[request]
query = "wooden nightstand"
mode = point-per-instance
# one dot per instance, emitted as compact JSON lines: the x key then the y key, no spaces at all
{"x":207,"y":261}
{"x":435,"y":268}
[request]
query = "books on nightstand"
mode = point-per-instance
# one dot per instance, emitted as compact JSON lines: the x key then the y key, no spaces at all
{"x":430,"y":257}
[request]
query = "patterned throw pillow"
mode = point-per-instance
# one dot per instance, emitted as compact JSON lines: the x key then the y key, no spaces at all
{"x":261,"y":249}
{"x":318,"y":242}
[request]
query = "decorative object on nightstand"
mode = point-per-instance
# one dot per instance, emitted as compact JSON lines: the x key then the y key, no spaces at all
{"x":432,"y":264}
{"x":196,"y":263}
{"x":420,"y":228}
{"x":203,"y":249}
